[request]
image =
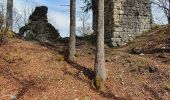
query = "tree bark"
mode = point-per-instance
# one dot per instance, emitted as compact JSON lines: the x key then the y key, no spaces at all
{"x":72,"y":40}
{"x":95,"y":13}
{"x":100,"y":70}
{"x":9,"y":15}
{"x":169,"y":18}
{"x":169,"y":13}
{"x":1,"y":20}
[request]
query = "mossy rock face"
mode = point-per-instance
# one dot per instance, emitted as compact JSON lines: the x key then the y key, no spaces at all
{"x":98,"y":83}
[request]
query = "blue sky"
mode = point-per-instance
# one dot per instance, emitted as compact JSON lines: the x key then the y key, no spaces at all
{"x":58,"y":14}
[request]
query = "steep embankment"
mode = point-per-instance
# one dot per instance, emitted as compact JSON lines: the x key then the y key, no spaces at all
{"x":30,"y":71}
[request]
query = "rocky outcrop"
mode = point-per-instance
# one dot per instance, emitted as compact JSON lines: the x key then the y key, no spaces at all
{"x":38,"y":27}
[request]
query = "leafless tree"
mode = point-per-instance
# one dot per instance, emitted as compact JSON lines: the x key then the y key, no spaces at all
{"x":169,"y":18}
{"x":72,"y":40}
{"x":2,"y":12}
{"x":169,"y":13}
{"x":85,"y":28}
{"x":2,"y":7}
{"x":1,"y":20}
{"x":164,"y":5}
{"x":20,"y":18}
{"x":9,"y":15}
{"x":99,"y":66}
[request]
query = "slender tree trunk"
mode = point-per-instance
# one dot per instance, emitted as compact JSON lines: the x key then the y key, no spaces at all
{"x":1,"y":19}
{"x":169,"y":18}
{"x":100,"y":70}
{"x":169,"y":13}
{"x":72,"y":41}
{"x":9,"y":15}
{"x":95,"y":13}
{"x":84,"y":28}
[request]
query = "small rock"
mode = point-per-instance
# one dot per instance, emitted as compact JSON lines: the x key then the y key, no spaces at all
{"x":152,"y":69}
{"x":162,"y":55}
{"x":142,"y":54}
{"x":108,"y":60}
{"x":122,"y":83}
{"x":12,"y":97}
{"x":163,"y":47}
{"x":137,"y":50}
{"x":76,"y":99}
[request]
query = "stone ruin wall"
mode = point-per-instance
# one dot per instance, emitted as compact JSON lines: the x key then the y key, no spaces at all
{"x":131,"y":18}
{"x":125,"y":19}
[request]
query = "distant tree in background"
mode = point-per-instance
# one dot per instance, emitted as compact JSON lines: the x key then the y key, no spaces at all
{"x":92,"y":5}
{"x":1,"y":20}
{"x":9,"y":15}
{"x":99,"y":67}
{"x":164,"y":6}
{"x":86,"y":27}
{"x":72,"y":39}
{"x":169,"y":18}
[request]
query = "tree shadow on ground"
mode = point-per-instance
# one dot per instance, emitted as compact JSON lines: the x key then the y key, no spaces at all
{"x":157,"y":50}
{"x":90,"y":75}
{"x":87,"y":72}
{"x":26,"y":84}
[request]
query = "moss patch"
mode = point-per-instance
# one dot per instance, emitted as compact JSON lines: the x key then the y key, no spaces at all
{"x":167,"y":86}
{"x":98,"y":83}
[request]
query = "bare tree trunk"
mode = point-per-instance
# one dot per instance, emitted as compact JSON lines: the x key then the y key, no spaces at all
{"x":95,"y":13}
{"x":100,"y":70}
{"x":83,"y":21}
{"x":169,"y":13}
{"x":1,"y":19}
{"x":9,"y":15}
{"x":72,"y":41}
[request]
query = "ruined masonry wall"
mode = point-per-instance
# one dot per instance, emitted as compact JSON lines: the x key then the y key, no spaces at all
{"x":126,"y":19}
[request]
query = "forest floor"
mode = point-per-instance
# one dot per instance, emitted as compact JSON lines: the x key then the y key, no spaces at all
{"x":31,"y":71}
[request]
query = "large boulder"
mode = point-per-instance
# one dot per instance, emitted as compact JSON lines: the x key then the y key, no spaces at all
{"x":38,"y":27}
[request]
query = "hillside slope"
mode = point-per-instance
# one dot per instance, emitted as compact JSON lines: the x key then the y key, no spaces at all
{"x":31,"y":71}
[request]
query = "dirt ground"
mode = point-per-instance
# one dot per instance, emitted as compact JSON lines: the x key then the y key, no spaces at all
{"x":31,"y":71}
